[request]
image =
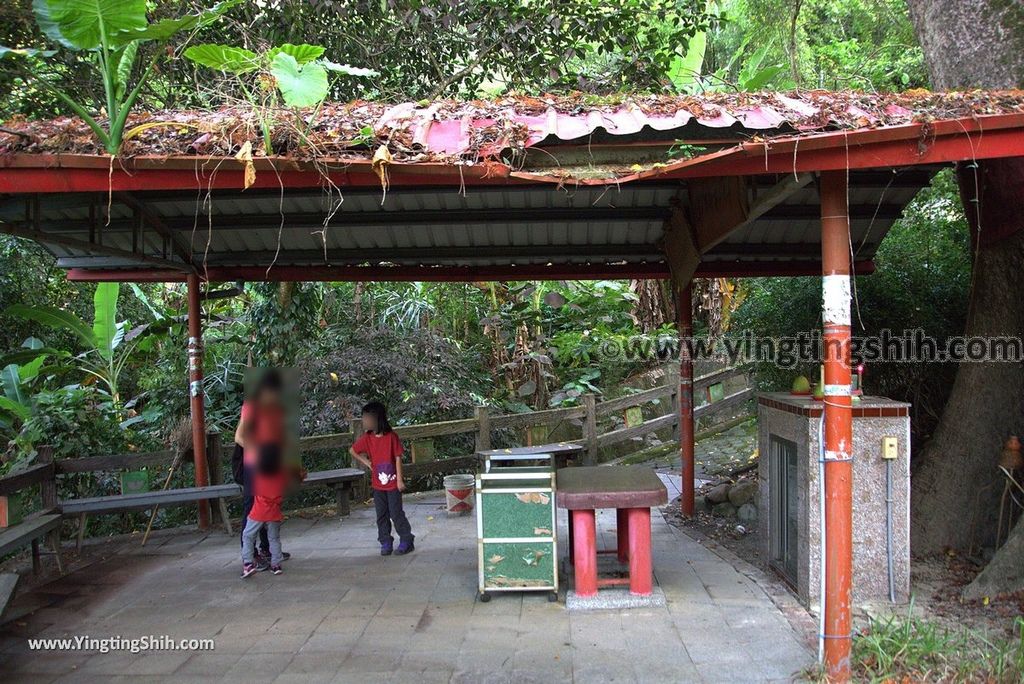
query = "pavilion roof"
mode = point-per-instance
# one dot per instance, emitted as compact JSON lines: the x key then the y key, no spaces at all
{"x":516,"y":187}
{"x":448,"y":131}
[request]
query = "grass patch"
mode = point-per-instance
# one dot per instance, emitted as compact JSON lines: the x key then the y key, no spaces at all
{"x":911,"y":649}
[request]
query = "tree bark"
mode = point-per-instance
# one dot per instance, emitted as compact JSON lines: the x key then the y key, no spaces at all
{"x":976,"y":44}
{"x":971,"y":43}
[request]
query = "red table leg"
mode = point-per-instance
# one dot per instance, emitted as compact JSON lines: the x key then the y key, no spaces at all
{"x":585,"y":551}
{"x":640,"y":574}
{"x":622,"y":533}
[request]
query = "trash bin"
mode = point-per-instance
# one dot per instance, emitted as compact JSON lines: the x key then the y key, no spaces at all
{"x":458,"y":493}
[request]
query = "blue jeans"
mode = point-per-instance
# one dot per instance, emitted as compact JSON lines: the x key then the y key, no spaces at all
{"x":273,"y":532}
{"x":247,"y":500}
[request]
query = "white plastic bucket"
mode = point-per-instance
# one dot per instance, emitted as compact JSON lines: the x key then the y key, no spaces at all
{"x":458,"y":493}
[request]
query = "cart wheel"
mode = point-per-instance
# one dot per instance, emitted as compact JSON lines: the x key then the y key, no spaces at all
{"x":484,"y":597}
{"x":552,"y":597}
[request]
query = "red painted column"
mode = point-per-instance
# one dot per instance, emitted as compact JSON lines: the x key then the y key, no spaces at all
{"x":684,"y":316}
{"x":195,"y":390}
{"x":838,"y":556}
{"x":640,"y":570}
{"x":622,"y":534}
{"x":584,"y":551}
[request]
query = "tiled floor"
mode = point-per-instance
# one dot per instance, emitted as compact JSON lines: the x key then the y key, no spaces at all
{"x":342,"y":613}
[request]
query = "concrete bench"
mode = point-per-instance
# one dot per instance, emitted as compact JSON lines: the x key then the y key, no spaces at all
{"x":342,"y":480}
{"x":29,"y":531}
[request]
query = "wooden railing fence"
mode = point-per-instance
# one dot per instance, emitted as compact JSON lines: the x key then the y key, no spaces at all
{"x":482,"y":425}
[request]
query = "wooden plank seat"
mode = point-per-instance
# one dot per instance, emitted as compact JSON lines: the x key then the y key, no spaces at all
{"x":8,"y":581}
{"x":29,"y":531}
{"x":342,"y":480}
{"x":98,"y":505}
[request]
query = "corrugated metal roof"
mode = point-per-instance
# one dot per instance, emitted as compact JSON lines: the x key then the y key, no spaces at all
{"x":527,"y":225}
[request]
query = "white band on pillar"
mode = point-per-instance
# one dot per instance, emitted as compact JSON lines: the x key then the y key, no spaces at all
{"x":835,"y":299}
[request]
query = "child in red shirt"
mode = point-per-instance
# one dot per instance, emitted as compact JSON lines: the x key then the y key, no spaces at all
{"x":268,"y":490}
{"x":380,"y":450}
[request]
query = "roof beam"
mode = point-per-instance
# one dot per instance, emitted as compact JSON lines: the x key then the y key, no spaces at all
{"x":714,"y":269}
{"x":156,"y":223}
{"x":414,"y":255}
{"x":92,"y":247}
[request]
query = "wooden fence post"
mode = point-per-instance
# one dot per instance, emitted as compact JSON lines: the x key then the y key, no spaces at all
{"x":48,"y":494}
{"x":483,"y":429}
{"x":47,"y":488}
{"x":215,"y":469}
{"x":362,"y":488}
{"x":590,"y":428}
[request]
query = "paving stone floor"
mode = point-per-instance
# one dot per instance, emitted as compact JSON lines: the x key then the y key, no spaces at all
{"x":341,"y":613}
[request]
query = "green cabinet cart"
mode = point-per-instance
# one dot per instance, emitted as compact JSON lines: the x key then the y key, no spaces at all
{"x":516,"y":524}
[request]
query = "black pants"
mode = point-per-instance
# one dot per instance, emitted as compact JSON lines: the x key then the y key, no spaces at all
{"x":247,"y":500}
{"x":389,"y":507}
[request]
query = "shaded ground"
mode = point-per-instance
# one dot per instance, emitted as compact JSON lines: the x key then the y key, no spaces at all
{"x":342,"y":613}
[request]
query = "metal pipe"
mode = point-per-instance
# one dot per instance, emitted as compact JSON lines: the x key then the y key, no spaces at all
{"x":195,"y":390}
{"x":684,"y":315}
{"x":835,"y":256}
{"x":888,"y":529}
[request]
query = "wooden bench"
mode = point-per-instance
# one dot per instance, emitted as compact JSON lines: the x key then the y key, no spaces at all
{"x":98,"y":505}
{"x":341,"y":479}
{"x":29,"y":531}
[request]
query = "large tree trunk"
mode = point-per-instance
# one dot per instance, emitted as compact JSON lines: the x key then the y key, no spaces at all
{"x":976,"y":44}
{"x":953,"y":498}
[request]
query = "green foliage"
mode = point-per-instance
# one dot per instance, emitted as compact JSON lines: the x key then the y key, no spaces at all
{"x":913,"y":649}
{"x":110,"y":32}
{"x":836,"y":44}
{"x":921,"y":282}
{"x":295,"y":72}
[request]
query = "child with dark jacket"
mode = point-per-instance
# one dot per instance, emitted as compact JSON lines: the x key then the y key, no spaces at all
{"x":380,"y":450}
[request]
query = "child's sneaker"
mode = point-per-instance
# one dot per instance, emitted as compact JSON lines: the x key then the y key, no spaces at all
{"x":249,"y":569}
{"x":386,"y":549}
{"x":276,"y":569}
{"x":262,"y":562}
{"x":404,"y":548}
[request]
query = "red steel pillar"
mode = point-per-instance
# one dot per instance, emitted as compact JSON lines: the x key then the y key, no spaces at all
{"x":195,"y":390}
{"x":838,"y":555}
{"x":684,"y":316}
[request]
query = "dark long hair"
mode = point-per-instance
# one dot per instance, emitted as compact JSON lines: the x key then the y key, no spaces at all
{"x":377,"y":410}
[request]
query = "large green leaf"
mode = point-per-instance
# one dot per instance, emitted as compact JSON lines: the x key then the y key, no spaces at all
{"x":30,"y":370}
{"x":224,"y":58}
{"x":104,"y":322}
{"x":22,"y":412}
{"x":300,"y":85}
{"x":7,"y":53}
{"x":47,"y":25}
{"x":88,"y":24}
{"x":166,"y":28}
{"x":11,"y":380}
{"x":26,"y":356}
{"x":55,"y":318}
{"x":302,"y":53}
{"x":125,"y":62}
{"x":687,"y":68}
